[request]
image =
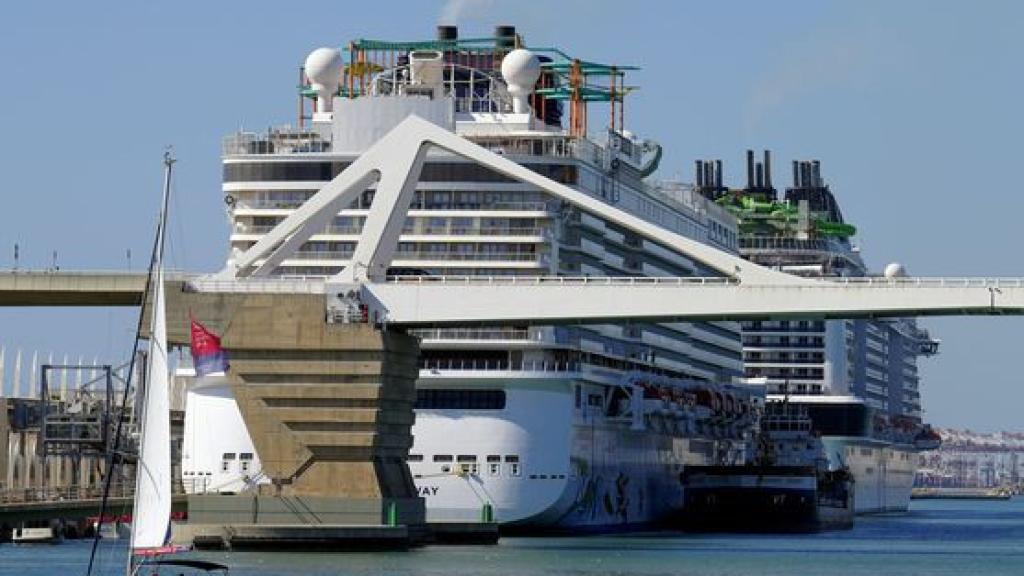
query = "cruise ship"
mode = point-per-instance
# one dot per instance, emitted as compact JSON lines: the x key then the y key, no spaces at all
{"x":858,"y":379}
{"x":540,"y":427}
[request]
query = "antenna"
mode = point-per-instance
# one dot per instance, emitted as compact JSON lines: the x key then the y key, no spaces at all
{"x":323,"y":68}
{"x":520,"y":68}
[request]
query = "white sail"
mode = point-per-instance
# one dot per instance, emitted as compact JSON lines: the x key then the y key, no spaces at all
{"x":151,"y":522}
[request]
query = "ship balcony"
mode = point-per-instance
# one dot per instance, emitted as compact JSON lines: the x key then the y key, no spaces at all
{"x":761,"y":346}
{"x":536,"y":210}
{"x":281,"y":140}
{"x":781,"y":362}
{"x":480,"y":338}
{"x":498,"y":369}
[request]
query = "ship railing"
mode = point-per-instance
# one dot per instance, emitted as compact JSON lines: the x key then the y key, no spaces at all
{"x":567,"y":280}
{"x":771,"y":243}
{"x":431,"y":231}
{"x":479,"y":231}
{"x":282,"y":285}
{"x":476,"y":364}
{"x":280,"y":140}
{"x":258,"y":203}
{"x":475,"y":334}
{"x":490,"y":206}
{"x":322,"y":254}
{"x":951,"y":282}
{"x":469,"y":256}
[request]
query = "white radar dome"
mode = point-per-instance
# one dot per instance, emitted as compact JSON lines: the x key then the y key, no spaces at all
{"x":895,"y":270}
{"x":323,"y":67}
{"x":520,"y":68}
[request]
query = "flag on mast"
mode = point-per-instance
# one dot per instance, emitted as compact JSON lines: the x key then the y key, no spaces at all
{"x":207,"y":354}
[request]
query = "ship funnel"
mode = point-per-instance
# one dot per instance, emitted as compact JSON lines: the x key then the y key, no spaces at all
{"x":750,"y":169}
{"x":521,"y":69}
{"x":505,"y":37}
{"x":447,"y":32}
{"x":323,"y":68}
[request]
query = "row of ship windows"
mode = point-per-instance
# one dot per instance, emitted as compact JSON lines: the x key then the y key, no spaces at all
{"x":448,"y":399}
{"x":804,"y":373}
{"x":227,"y":462}
{"x":431,"y":172}
{"x":794,"y":388}
{"x":783,"y":341}
{"x":780,"y":325}
{"x":468,"y":464}
{"x":850,"y":451}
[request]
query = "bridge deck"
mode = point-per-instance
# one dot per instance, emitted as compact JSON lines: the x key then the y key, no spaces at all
{"x":59,"y":288}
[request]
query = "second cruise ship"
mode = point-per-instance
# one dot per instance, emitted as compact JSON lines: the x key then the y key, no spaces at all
{"x":858,"y":379}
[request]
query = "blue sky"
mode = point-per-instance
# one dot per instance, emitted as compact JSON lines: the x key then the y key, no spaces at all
{"x":913,"y":107}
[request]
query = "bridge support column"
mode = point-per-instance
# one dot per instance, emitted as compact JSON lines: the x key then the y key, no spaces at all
{"x":330,"y":410}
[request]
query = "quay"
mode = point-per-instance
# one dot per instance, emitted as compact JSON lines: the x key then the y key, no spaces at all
{"x":960,"y":494}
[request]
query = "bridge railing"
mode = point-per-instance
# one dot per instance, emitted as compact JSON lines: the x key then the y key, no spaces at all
{"x":564,"y":280}
{"x":75,"y":492}
{"x":51,"y":272}
{"x":930,"y":282}
{"x":64,"y":493}
{"x":259,"y":285}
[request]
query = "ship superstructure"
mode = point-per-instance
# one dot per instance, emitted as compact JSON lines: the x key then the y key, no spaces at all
{"x":555,"y":427}
{"x":858,"y":378}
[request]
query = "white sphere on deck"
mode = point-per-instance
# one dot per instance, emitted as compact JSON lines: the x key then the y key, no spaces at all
{"x":895,"y":270}
{"x":520,"y":68}
{"x":323,"y":68}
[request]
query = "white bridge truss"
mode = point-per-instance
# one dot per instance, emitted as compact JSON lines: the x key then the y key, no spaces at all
{"x":746,"y":290}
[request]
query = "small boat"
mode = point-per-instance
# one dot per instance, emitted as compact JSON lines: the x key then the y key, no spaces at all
{"x":38,"y":533}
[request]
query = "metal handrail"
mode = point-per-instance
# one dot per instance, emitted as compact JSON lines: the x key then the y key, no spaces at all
{"x":472,"y":334}
{"x":499,"y":365}
{"x":944,"y":282}
{"x":310,"y":285}
{"x":566,"y":280}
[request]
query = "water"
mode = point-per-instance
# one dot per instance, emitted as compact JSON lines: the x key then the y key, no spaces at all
{"x":935,"y":538}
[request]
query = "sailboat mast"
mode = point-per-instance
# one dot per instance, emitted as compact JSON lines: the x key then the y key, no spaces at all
{"x":157,"y":351}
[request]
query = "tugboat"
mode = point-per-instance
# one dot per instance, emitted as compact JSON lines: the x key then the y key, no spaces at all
{"x":786,"y":487}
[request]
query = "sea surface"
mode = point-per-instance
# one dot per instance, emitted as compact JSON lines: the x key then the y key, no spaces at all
{"x":936,"y":537}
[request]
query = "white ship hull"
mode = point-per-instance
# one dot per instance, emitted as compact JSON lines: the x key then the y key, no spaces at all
{"x":575,"y":469}
{"x":883,"y":472}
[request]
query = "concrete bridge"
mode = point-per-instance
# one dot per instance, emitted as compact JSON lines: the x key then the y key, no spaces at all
{"x":64,"y":288}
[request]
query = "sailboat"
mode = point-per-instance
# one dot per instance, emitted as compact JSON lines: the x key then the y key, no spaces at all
{"x":151,"y":523}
